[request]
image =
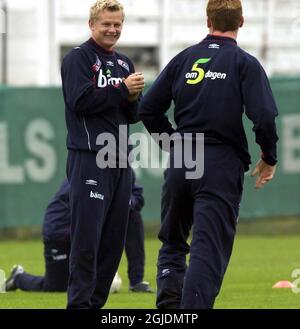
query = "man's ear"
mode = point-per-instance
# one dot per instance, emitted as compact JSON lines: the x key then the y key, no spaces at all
{"x":209,"y":24}
{"x":91,"y":25}
{"x":242,"y":21}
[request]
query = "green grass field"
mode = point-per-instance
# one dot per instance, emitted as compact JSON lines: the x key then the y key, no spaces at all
{"x":256,"y":264}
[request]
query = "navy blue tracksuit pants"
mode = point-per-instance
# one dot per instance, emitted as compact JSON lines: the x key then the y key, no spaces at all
{"x":134,"y":248}
{"x":56,"y":254}
{"x":209,"y":206}
{"x":99,"y":203}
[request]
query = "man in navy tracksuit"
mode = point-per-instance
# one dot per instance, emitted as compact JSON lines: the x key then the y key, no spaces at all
{"x":212,"y":84}
{"x":101,"y":93}
{"x":56,"y":238}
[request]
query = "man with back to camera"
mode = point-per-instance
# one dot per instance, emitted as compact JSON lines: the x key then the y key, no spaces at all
{"x":212,"y":84}
{"x":101,"y":92}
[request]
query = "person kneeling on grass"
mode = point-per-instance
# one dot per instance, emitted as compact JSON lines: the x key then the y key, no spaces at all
{"x":56,"y":237}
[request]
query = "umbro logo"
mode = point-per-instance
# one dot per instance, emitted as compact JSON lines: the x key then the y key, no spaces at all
{"x":214,"y":46}
{"x":96,"y":195}
{"x":110,"y":63}
{"x":91,"y":182}
{"x":60,"y":257}
{"x":165,"y":272}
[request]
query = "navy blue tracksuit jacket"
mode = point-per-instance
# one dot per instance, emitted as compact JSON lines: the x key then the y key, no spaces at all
{"x":95,"y":96}
{"x":233,"y":83}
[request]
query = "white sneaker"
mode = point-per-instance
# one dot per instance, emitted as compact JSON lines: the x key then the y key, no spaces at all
{"x":10,"y":282}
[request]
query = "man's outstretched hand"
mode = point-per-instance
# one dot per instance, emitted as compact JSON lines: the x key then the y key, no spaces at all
{"x":264,"y":173}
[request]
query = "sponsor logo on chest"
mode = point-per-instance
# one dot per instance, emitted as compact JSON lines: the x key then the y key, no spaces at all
{"x":106,"y":79}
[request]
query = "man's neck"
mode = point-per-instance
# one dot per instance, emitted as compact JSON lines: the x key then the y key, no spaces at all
{"x":228,"y":34}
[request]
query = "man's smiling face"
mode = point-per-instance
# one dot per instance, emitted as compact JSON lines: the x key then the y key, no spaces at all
{"x":106,"y":30}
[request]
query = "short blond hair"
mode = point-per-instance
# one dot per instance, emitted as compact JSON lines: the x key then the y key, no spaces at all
{"x":225,"y":15}
{"x":101,"y":5}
